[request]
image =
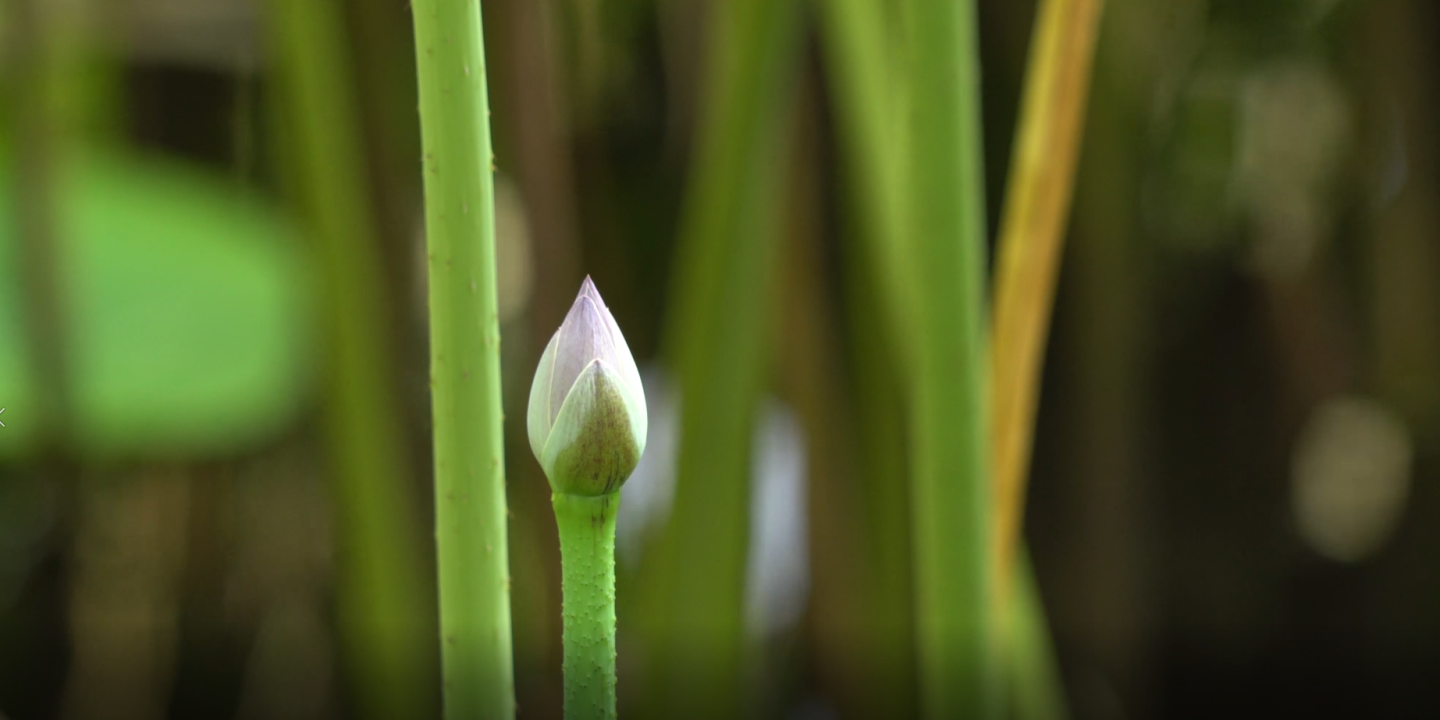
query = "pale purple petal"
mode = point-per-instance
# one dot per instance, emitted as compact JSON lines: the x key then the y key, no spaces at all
{"x":583,"y":337}
{"x":623,"y":361}
{"x":588,"y":290}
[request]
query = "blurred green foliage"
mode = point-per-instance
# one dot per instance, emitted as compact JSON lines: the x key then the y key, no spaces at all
{"x":188,"y":304}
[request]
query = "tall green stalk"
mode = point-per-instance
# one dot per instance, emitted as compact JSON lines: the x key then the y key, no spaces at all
{"x":722,"y":292}
{"x":381,"y":597}
{"x":40,"y":66}
{"x":1032,"y":238}
{"x":950,"y":494}
{"x":464,"y":361}
{"x":866,"y":84}
{"x":587,"y":555}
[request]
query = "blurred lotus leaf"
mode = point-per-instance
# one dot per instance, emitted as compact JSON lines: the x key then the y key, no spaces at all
{"x":185,"y":312}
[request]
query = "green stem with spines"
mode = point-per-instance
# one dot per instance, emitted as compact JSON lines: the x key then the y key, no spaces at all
{"x":587,"y":561}
{"x":470,"y":510}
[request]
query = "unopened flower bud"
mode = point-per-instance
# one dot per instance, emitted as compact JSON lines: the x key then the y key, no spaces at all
{"x":587,"y":418}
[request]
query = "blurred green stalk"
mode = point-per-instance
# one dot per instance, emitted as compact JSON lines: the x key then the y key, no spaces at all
{"x":1032,"y":238}
{"x":717,"y":326}
{"x":950,"y":493}
{"x":866,"y":85}
{"x":866,"y":88}
{"x":464,"y":361}
{"x":39,"y":65}
{"x":381,"y":598}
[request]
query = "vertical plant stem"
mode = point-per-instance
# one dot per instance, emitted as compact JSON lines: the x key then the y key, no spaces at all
{"x":811,"y":378}
{"x":718,"y":324}
{"x":866,"y":84}
{"x":381,"y":599}
{"x":867,"y":87}
{"x":464,"y":361}
{"x":38,"y":122}
{"x":950,"y":495}
{"x":883,"y":468}
{"x":587,"y":559}
{"x":1032,"y":238}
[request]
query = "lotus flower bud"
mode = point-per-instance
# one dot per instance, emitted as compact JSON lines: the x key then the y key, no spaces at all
{"x":587,"y":418}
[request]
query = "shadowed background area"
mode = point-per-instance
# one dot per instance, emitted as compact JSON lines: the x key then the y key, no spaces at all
{"x":215,"y":475}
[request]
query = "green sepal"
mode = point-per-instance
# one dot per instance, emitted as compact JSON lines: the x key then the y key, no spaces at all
{"x":595,"y":442}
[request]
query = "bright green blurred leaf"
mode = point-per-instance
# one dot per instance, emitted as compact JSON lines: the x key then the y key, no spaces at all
{"x":187,"y":311}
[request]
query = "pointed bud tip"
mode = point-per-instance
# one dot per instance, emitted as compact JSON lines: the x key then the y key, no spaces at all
{"x":588,"y":290}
